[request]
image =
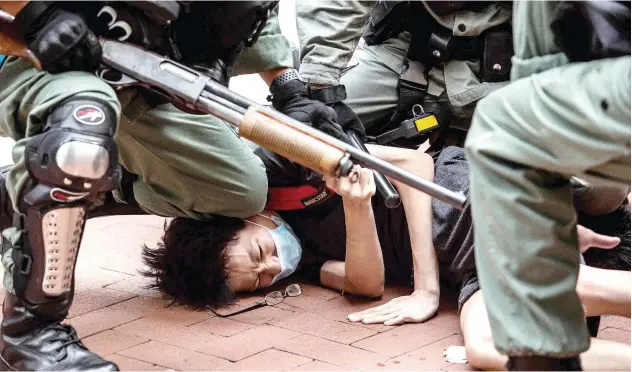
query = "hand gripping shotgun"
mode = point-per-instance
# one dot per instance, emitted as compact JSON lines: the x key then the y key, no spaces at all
{"x":195,"y":92}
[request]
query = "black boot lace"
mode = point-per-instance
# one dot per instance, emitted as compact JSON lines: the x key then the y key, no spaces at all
{"x":66,"y":334}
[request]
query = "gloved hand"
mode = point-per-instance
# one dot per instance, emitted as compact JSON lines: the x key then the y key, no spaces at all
{"x":292,"y":99}
{"x":59,"y":39}
{"x":347,"y":119}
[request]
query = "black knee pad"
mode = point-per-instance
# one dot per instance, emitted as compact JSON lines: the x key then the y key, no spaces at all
{"x":75,"y":155}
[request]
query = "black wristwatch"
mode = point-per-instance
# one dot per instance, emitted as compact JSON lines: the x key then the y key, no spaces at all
{"x":282,"y":79}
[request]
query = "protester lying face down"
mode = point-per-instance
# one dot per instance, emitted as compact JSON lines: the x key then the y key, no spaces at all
{"x":202,"y":263}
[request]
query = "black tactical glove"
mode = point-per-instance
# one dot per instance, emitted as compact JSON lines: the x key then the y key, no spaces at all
{"x":59,"y":39}
{"x":291,"y":97}
{"x":346,"y":118}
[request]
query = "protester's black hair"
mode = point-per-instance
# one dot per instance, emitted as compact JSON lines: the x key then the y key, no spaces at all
{"x":616,"y":224}
{"x":190,"y":264}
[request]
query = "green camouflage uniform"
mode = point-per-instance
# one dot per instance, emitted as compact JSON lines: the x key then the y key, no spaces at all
{"x":555,"y":120}
{"x":329,"y":32}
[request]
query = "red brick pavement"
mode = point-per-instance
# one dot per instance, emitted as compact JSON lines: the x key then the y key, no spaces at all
{"x":135,"y":328}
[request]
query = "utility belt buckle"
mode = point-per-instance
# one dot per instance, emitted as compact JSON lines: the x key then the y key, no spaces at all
{"x":421,"y":123}
{"x":439,"y":45}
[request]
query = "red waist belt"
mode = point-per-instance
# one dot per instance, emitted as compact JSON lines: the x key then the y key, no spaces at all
{"x":297,"y":197}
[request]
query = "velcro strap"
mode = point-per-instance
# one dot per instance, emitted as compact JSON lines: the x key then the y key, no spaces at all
{"x":297,"y":197}
{"x":329,"y":95}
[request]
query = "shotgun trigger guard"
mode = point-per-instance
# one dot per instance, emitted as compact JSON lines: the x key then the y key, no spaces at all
{"x":344,"y":166}
{"x":116,"y":79}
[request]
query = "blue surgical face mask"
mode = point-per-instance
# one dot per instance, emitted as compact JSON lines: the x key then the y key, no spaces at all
{"x":288,"y":246}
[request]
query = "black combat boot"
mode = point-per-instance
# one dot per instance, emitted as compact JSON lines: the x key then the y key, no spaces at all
{"x":31,"y":343}
{"x":542,"y":363}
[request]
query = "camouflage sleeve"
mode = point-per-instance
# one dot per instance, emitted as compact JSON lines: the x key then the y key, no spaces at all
{"x":272,"y":50}
{"x":329,"y":32}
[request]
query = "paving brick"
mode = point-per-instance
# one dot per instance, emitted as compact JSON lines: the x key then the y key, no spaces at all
{"x":447,"y":319}
{"x":351,"y":304}
{"x":168,"y":333}
{"x":615,"y":322}
{"x":317,"y":365}
{"x":304,"y":302}
{"x":269,"y":360}
{"x":96,"y":299}
{"x":122,"y":255}
{"x":115,"y":315}
{"x":221,"y":326}
{"x":315,"y":325}
{"x":615,"y":334}
{"x":319,"y":291}
{"x":100,"y":320}
{"x":429,"y":357}
{"x":130,"y":364}
{"x":332,"y":352}
{"x":145,"y":227}
{"x":246,"y":299}
{"x":404,"y":338}
{"x":87,"y":279}
{"x":437,"y":348}
{"x":263,"y":315}
{"x":135,"y":284}
{"x":174,"y":357}
{"x":179,"y":315}
{"x":110,"y":342}
{"x":140,"y":305}
{"x":248,"y":342}
{"x":459,"y":367}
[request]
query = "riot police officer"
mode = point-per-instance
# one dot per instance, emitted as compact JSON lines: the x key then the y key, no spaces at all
{"x":72,"y":132}
{"x":566,"y":113}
